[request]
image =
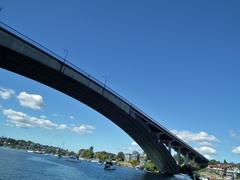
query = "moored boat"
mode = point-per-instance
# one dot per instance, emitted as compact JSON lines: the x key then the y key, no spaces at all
{"x":109,"y":165}
{"x":73,"y":159}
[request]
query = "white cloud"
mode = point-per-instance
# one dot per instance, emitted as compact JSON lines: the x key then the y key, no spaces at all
{"x":207,"y":156}
{"x":62,"y":126}
{"x":205,"y":143}
{"x":236,"y":150}
{"x":6,"y":93}
{"x":134,"y":143}
{"x":33,"y":101}
{"x":71,"y":117}
{"x":23,"y":120}
{"x":195,"y":137}
{"x":206,"y":151}
{"x":83,"y":129}
{"x":202,"y":139}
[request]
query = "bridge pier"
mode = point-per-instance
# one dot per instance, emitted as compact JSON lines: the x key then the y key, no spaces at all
{"x":159,"y":137}
{"x":179,"y":156}
{"x":170,"y":147}
{"x":186,"y":159}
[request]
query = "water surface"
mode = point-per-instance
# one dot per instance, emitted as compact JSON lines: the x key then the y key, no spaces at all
{"x":22,"y":165}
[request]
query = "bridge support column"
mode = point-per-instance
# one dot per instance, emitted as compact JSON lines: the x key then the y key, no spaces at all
{"x":194,"y":158}
{"x":170,"y":147}
{"x":159,"y":137}
{"x":148,"y":128}
{"x":186,"y":159}
{"x":179,"y":156}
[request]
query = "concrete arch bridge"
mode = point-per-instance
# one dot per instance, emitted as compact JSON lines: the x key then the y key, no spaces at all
{"x":24,"y":56}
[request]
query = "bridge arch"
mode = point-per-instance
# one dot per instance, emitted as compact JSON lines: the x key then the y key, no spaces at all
{"x":25,"y":57}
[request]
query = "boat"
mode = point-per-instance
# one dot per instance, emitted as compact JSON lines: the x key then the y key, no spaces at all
{"x":139,"y":167}
{"x":73,"y":159}
{"x":147,"y":171}
{"x":94,"y":161}
{"x":38,"y":152}
{"x":109,"y":165}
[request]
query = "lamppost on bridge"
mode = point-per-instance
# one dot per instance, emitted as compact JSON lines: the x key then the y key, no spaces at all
{"x":64,"y":60}
{"x":66,"y":53}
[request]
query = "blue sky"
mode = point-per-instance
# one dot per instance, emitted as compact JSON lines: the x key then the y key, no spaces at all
{"x":178,"y":62}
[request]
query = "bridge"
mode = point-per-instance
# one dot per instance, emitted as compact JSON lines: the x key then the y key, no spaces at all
{"x":21,"y":55}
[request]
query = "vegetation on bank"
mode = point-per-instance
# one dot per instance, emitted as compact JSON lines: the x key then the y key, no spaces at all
{"x":29,"y":145}
{"x":224,"y":162}
{"x":150,"y":166}
{"x":220,"y":170}
{"x":100,"y":156}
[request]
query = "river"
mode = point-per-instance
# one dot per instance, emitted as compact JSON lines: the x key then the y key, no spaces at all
{"x":21,"y":165}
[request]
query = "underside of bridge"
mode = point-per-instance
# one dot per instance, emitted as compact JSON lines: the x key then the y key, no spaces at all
{"x":24,"y":58}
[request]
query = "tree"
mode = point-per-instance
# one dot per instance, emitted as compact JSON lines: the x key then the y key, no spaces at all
{"x":195,"y":166}
{"x":120,"y":156}
{"x":91,"y":149}
{"x":80,"y":152}
{"x":86,"y":153}
{"x":150,"y":166}
{"x":213,"y":162}
{"x":102,"y":156}
{"x":111,"y":156}
{"x":224,"y":162}
{"x":134,"y":163}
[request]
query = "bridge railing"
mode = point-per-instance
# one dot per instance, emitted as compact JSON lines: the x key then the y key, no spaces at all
{"x":98,"y":82}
